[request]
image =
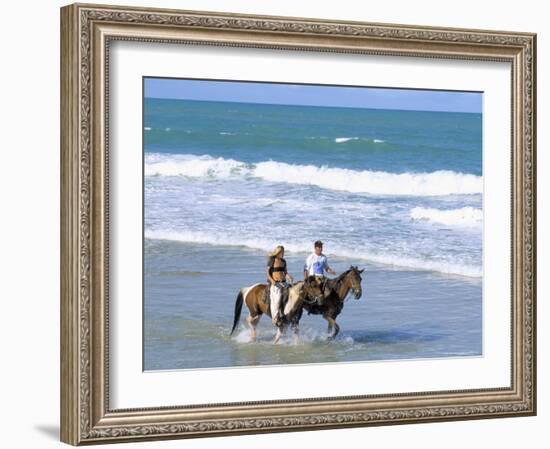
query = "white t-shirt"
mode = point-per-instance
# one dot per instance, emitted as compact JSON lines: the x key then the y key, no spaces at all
{"x":316,"y":265}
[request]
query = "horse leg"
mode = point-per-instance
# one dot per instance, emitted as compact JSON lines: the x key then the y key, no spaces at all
{"x":252,"y":323}
{"x":336,"y":330}
{"x":278,"y":335}
{"x":295,"y":324}
{"x":296,"y":330}
{"x":332,"y":324}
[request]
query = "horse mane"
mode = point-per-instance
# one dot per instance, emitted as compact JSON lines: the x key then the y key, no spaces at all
{"x":338,"y":279}
{"x":296,"y":284}
{"x":294,"y":293}
{"x":343,"y":275}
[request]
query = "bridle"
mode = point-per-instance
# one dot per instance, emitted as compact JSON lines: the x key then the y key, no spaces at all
{"x":306,"y":297}
{"x":354,"y":287}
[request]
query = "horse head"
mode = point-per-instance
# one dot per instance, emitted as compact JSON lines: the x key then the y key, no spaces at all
{"x":354,"y":278}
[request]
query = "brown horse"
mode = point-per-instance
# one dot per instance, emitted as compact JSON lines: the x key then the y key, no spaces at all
{"x":334,"y":292}
{"x":253,"y":297}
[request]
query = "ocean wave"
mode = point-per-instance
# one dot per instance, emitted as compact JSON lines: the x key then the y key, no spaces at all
{"x":192,"y":166}
{"x":464,"y":217}
{"x":345,"y":139}
{"x":442,"y":182}
{"x":266,"y":244}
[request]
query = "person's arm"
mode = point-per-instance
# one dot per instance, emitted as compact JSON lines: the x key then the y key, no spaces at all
{"x":328,"y":269}
{"x":269,"y":266}
{"x":269,"y":278}
{"x":306,"y":267}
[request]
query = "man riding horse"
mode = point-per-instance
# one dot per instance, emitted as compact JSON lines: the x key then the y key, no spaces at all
{"x":316,"y":265}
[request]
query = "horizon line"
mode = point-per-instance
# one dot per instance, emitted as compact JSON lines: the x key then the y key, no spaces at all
{"x":313,"y":105}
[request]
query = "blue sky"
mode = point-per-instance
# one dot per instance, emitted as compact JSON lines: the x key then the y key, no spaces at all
{"x":299,"y":94}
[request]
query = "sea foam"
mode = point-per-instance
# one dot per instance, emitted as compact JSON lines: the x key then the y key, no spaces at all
{"x":469,"y":217}
{"x":345,"y":139}
{"x":304,"y":247}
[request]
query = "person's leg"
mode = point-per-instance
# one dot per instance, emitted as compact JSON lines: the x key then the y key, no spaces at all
{"x":322,"y":282}
{"x":275,"y":303}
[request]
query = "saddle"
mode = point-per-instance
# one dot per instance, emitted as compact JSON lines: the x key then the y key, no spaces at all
{"x":267,"y":292}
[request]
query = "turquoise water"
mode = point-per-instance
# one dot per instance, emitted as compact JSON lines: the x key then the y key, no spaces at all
{"x":397,"y":192}
{"x":380,"y":140}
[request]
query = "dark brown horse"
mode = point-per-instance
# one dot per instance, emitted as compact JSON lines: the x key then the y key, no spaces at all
{"x":334,"y":292}
{"x":253,"y":297}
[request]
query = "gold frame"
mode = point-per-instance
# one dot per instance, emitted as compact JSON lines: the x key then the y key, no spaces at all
{"x":86,"y":31}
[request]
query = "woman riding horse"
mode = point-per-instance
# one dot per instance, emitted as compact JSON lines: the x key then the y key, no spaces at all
{"x":253,"y":297}
{"x":277,"y":278}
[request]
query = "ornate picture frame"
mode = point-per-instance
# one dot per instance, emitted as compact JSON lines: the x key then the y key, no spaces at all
{"x":87,"y":32}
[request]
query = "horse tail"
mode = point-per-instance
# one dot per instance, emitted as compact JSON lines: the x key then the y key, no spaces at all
{"x":238,"y":308}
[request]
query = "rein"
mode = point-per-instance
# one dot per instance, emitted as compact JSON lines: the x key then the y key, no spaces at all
{"x":309,"y":301}
{"x":305,"y":298}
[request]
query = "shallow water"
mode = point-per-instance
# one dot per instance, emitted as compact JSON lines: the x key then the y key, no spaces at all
{"x":190,"y":292}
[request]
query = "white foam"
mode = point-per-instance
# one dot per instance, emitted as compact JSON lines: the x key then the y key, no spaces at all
{"x":244,"y":335}
{"x":307,"y":335}
{"x":442,"y":182}
{"x":345,"y":139}
{"x":147,"y":128}
{"x":191,"y":166}
{"x":464,"y":217}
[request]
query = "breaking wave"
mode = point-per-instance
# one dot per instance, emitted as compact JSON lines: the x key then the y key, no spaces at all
{"x":437,"y":183}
